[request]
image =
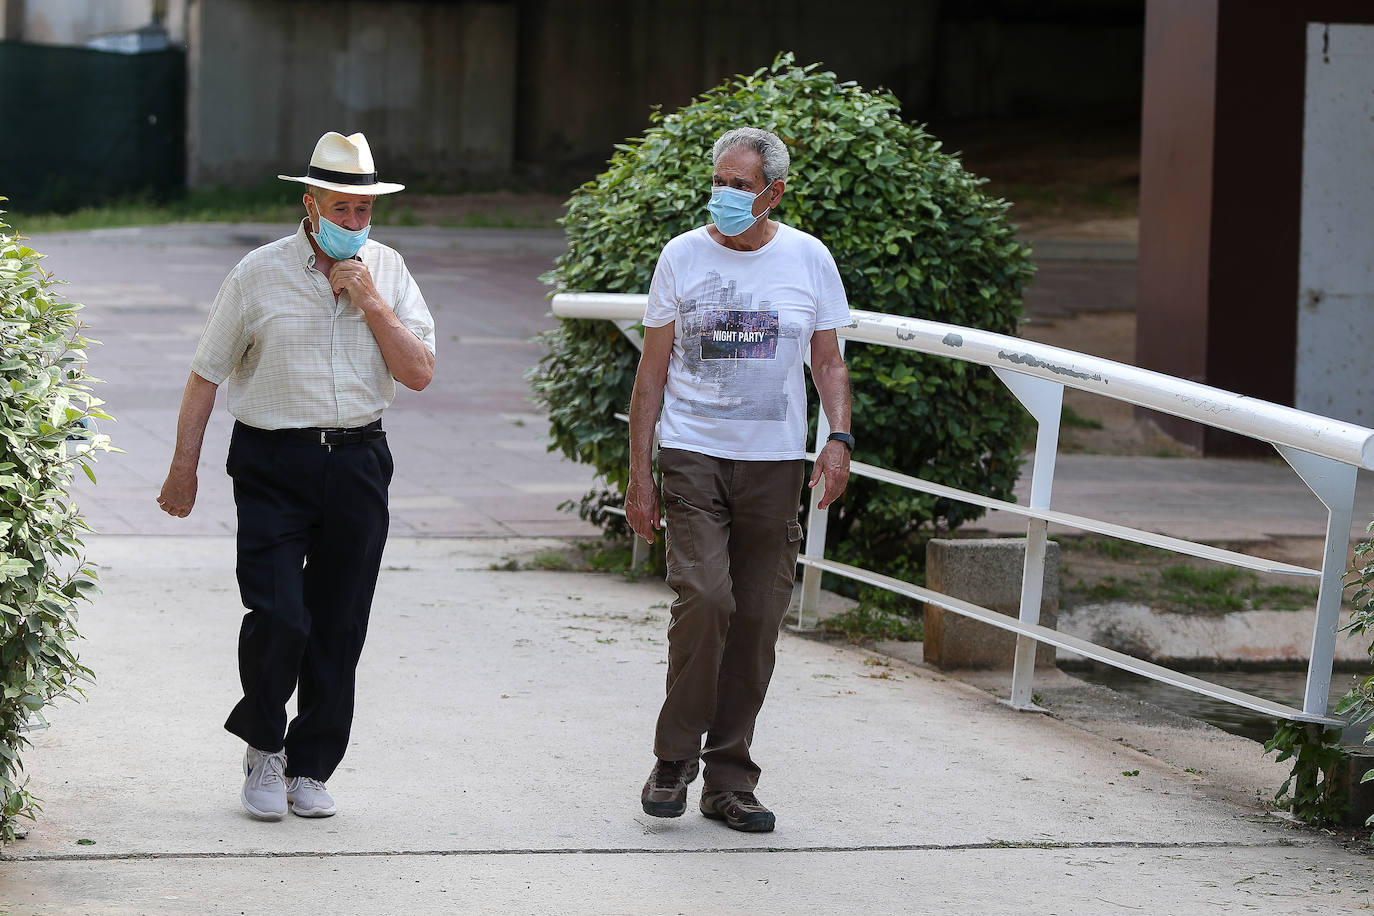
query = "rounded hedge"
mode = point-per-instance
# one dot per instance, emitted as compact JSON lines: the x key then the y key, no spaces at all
{"x":912,"y":233}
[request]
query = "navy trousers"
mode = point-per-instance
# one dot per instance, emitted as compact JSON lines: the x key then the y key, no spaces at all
{"x":312,"y":523}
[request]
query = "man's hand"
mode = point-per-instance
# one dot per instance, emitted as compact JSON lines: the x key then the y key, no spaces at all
{"x":352,"y":276}
{"x":832,"y":464}
{"x":641,"y":509}
{"x":178,"y":494}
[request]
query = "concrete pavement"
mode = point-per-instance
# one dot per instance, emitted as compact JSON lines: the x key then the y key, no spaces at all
{"x":504,"y":719}
{"x":502,"y":735}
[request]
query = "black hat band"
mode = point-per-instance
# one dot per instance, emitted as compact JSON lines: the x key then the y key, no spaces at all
{"x":340,"y":177}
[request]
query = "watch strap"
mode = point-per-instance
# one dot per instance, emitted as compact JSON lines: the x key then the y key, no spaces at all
{"x":844,"y":438}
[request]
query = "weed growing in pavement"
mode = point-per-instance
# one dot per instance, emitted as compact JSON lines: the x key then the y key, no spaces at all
{"x":867,"y":621}
{"x":549,"y":561}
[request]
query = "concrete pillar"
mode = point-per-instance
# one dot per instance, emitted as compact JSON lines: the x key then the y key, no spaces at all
{"x":1222,"y":198}
{"x":986,"y":572}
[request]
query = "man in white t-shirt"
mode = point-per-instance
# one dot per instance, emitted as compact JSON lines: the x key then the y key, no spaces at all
{"x":735,"y":308}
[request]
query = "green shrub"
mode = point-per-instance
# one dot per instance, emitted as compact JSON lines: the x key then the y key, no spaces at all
{"x":913,"y":234}
{"x":45,"y":401}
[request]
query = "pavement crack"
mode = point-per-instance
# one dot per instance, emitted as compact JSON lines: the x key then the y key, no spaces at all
{"x":630,"y":850}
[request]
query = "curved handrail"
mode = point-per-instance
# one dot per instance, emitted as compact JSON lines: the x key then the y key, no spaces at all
{"x":1344,"y":442}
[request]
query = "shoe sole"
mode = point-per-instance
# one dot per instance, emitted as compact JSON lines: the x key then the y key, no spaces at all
{"x":313,"y":812}
{"x":670,"y":809}
{"x":663,"y":809}
{"x":260,"y":815}
{"x":762,"y":824}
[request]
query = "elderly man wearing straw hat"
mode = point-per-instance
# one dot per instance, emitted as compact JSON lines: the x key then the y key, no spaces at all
{"x":311,"y":333}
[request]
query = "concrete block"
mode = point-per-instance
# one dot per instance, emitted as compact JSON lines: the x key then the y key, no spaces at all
{"x":986,"y":572}
{"x":1361,"y":794}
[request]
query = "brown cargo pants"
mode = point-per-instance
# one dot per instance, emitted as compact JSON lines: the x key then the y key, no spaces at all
{"x":732,"y":543}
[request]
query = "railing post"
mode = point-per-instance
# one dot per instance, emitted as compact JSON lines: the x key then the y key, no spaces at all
{"x":1045,"y":401}
{"x":808,"y":608}
{"x":1334,"y":484}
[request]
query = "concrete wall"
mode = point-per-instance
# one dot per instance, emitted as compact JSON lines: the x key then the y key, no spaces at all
{"x":447,"y":89}
{"x":74,"y":22}
{"x":432,"y":85}
{"x":1334,"y":373}
{"x":591,"y":70}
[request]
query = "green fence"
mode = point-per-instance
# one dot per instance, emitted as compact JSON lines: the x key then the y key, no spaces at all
{"x":80,"y":126}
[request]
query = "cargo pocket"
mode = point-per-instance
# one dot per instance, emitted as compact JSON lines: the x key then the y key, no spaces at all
{"x":787,"y":562}
{"x":681,"y":547}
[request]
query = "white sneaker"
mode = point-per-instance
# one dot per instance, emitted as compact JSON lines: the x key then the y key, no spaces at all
{"x":264,"y":784}
{"x":309,"y":797}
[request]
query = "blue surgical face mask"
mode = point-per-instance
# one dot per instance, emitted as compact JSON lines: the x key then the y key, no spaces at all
{"x":733,"y":209}
{"x":336,"y":241}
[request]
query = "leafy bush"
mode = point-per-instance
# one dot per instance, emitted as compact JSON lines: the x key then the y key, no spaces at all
{"x":45,"y":401}
{"x":912,"y":233}
{"x":1321,"y":764}
{"x":1318,"y":796}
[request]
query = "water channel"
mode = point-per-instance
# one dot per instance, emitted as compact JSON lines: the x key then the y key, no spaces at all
{"x":1285,"y":687}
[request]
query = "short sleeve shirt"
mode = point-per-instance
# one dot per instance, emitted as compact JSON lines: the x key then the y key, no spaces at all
{"x":293,"y":354}
{"x":744,"y":321}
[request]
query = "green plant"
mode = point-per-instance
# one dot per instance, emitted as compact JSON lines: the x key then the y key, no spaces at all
{"x":549,"y":561}
{"x":1318,"y":795}
{"x":1358,"y":703}
{"x":45,"y":409}
{"x":913,"y":234}
{"x":869,"y":621}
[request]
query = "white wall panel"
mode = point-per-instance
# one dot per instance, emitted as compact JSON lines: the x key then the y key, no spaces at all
{"x":1335,"y":334}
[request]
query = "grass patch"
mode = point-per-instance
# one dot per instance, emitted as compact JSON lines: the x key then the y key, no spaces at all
{"x":1097,"y":570}
{"x":1111,"y":588}
{"x":549,"y":561}
{"x":274,"y":202}
{"x":1072,"y":419}
{"x":869,"y":622}
{"x":1111,"y":548}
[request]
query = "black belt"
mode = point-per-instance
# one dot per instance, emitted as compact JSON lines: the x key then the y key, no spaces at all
{"x":331,"y":436}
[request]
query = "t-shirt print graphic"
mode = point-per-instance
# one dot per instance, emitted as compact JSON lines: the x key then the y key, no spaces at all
{"x":737,"y":354}
{"x":739,"y":334}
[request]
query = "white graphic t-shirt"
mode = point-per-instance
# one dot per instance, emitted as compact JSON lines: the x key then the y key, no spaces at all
{"x":744,"y":324}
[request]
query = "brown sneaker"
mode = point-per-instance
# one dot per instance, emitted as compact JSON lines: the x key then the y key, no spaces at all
{"x":739,"y":810}
{"x":665,"y":794}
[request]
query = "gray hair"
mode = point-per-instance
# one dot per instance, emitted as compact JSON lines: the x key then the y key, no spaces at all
{"x":771,"y":150}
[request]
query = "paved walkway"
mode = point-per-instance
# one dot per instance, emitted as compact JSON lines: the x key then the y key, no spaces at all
{"x":504,"y":720}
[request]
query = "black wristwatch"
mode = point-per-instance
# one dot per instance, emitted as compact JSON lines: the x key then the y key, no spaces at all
{"x":845,"y":438}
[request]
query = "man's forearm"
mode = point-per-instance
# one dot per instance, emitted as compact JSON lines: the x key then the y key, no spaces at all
{"x":832,"y":384}
{"x":406,"y":355}
{"x":645,"y":404}
{"x":197,"y":403}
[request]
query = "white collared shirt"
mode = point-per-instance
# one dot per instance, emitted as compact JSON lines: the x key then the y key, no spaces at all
{"x":292,"y":353}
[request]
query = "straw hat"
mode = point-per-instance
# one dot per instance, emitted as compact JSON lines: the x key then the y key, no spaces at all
{"x":344,"y":164}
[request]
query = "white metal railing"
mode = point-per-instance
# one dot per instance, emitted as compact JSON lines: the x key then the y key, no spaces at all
{"x":1325,"y":453}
